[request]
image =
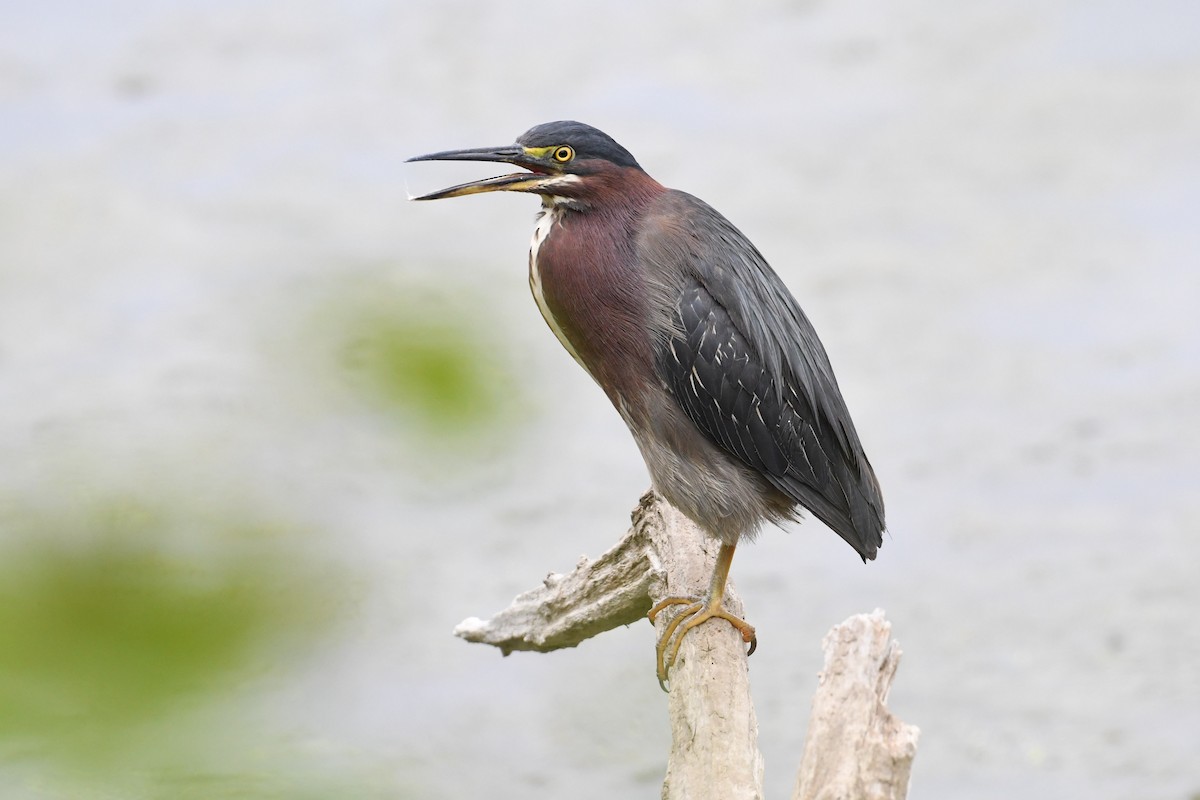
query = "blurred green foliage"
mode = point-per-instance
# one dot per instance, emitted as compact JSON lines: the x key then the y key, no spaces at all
{"x":435,"y":373}
{"x":123,"y":620}
{"x":425,"y":358}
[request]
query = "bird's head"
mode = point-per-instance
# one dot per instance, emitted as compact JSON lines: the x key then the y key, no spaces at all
{"x":566,"y":161}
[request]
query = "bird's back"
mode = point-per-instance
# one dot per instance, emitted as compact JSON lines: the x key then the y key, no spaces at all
{"x":744,"y":364}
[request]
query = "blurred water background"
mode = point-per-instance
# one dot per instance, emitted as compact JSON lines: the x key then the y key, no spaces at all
{"x":270,"y":432}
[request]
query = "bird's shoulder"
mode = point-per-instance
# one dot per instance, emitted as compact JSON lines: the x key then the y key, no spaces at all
{"x":687,"y":245}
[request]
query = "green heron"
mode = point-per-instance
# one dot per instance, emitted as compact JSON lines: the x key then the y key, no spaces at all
{"x":701,"y":348}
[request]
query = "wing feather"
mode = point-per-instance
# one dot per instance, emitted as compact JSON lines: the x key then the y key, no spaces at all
{"x":746,"y":366}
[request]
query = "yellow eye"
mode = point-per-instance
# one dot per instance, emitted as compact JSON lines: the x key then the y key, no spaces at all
{"x":563,"y":154}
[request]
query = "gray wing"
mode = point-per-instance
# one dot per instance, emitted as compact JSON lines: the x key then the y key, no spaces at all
{"x":746,"y":366}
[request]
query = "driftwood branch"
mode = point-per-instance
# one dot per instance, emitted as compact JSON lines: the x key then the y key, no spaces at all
{"x":855,"y":747}
{"x":714,"y":751}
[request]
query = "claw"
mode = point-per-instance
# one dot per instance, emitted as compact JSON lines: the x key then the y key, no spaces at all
{"x":697,"y":613}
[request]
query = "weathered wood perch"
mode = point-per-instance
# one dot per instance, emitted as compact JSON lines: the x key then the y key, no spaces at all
{"x":854,"y":749}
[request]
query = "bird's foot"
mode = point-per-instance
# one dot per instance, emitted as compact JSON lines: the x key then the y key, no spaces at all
{"x":696,"y":613}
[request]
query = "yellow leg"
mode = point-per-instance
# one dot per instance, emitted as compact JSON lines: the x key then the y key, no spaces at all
{"x":697,"y":613}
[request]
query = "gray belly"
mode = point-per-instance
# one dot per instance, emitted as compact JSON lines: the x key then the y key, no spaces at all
{"x":719,"y":493}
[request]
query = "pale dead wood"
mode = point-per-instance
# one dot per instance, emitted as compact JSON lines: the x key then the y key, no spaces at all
{"x":855,"y":747}
{"x":714,"y":733}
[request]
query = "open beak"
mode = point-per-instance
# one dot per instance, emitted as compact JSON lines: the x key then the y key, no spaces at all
{"x":518,"y":182}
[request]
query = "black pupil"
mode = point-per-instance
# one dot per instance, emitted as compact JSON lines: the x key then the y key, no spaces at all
{"x":563,"y":153}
